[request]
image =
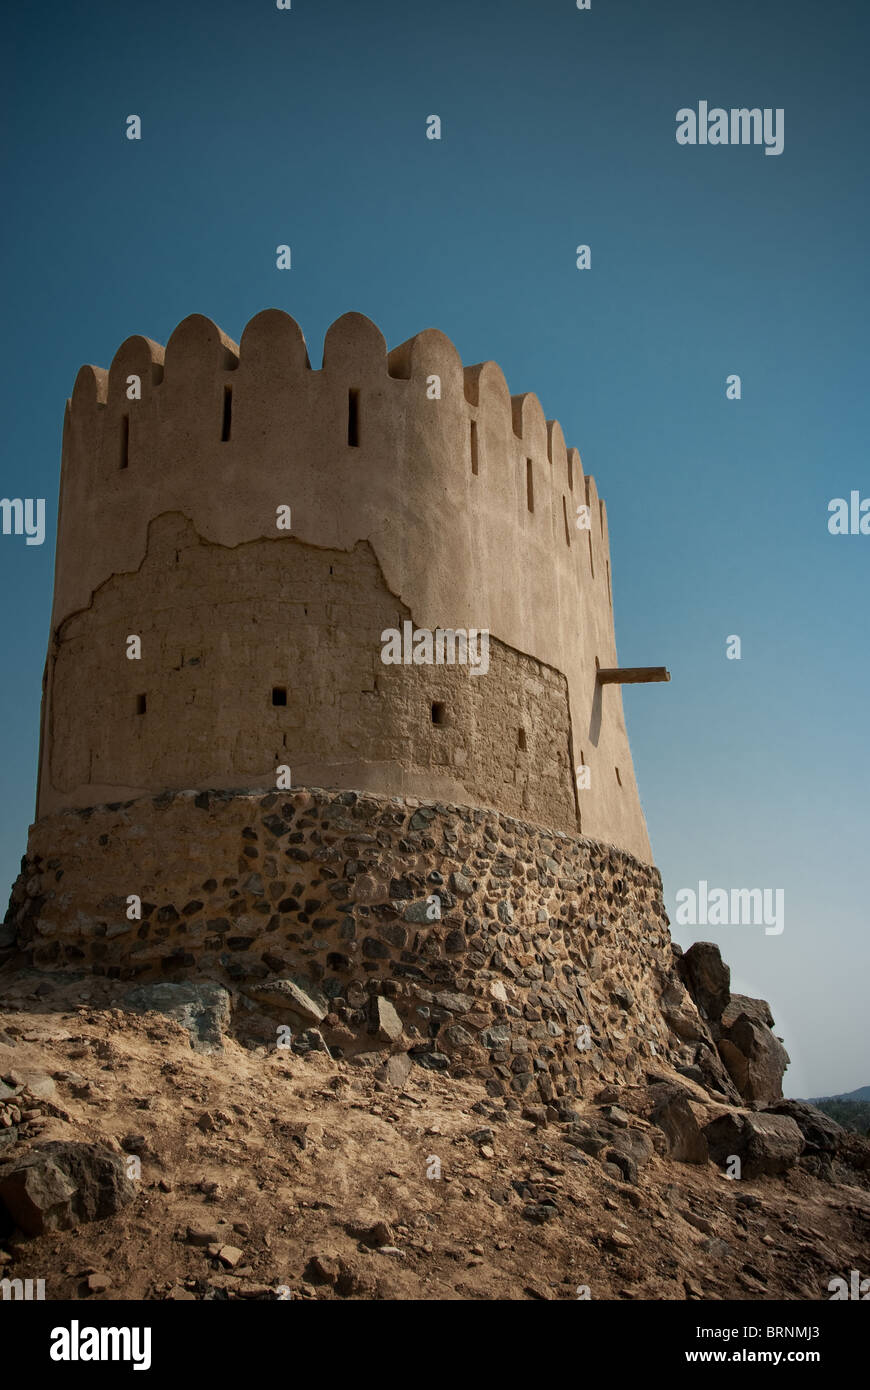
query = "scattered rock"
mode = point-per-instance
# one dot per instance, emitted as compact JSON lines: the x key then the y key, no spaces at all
{"x":587,"y":1137}
{"x":619,"y":1240}
{"x":290,"y":997}
{"x":385,"y":1021}
{"x":320,"y":1270}
{"x":36,"y":1083}
{"x":396,"y":1069}
{"x":203,"y":1235}
{"x":378,"y":1234}
{"x":700,"y":1223}
{"x":540,"y":1212}
{"x":59,"y":1184}
{"x":482,"y":1136}
{"x":431,"y":1060}
{"x":624,"y":1164}
{"x":536,"y":1113}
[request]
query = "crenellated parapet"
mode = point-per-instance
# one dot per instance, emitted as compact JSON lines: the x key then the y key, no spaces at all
{"x":466,"y":495}
{"x":187,"y":444}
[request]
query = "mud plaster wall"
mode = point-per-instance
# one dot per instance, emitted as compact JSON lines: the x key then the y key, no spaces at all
{"x":468,"y":503}
{"x":222,"y":628}
{"x":539,"y":933}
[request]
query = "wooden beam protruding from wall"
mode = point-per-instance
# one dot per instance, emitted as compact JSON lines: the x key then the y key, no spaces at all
{"x":633,"y":675}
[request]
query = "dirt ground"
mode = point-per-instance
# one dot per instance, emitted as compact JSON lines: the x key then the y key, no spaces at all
{"x":269,"y":1175}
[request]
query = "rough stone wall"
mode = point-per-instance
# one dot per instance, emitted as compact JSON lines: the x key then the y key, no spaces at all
{"x":316,"y":910}
{"x":467,"y":502}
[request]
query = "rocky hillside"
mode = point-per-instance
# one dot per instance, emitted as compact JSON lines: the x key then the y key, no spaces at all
{"x":150,"y":1150}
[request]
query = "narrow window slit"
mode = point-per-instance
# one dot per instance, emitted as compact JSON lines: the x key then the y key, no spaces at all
{"x":279,"y":695}
{"x":521,"y":740}
{"x":124,"y":458}
{"x":567,"y":528}
{"x":530,"y":486}
{"x":141,"y":704}
{"x":353,"y":419}
{"x":439,"y":712}
{"x":475,"y":462}
{"x":227,"y":422}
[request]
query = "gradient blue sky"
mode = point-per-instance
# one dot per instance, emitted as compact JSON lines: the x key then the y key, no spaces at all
{"x":308,"y":127}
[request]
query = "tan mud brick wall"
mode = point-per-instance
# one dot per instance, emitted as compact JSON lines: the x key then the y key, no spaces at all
{"x":222,"y":627}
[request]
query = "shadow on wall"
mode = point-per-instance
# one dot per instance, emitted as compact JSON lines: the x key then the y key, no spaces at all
{"x":595,"y":715}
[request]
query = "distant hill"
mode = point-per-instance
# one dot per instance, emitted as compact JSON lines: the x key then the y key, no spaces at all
{"x":862,"y":1093}
{"x":851,"y":1110}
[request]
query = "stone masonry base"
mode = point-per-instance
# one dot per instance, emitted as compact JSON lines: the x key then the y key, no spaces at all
{"x":455,"y":937}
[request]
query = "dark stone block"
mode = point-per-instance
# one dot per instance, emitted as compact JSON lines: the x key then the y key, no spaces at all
{"x":373,"y":948}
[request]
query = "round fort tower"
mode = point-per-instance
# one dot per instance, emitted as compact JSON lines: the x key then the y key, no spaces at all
{"x":224,"y":746}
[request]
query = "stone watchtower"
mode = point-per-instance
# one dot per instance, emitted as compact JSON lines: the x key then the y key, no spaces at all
{"x":400,"y":852}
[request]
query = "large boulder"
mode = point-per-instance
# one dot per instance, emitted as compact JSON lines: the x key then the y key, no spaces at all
{"x":666,"y":1105}
{"x":707,"y":978}
{"x":755,"y":1059}
{"x":680,"y":1013}
{"x":636,"y":1143}
{"x":764,"y":1143}
{"x":821,"y":1133}
{"x":202,"y":1007}
{"x":60,"y":1183}
{"x":756,"y":1009}
{"x":714,"y":1075}
{"x":854,"y":1151}
{"x":674,"y":1116}
{"x":736,"y":1053}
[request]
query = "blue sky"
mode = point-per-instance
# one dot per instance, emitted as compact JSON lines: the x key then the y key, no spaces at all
{"x":307,"y":127}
